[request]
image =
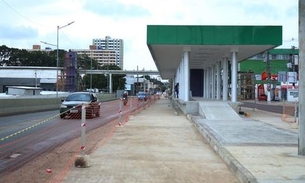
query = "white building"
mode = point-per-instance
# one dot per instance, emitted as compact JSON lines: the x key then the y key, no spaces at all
{"x":103,"y":57}
{"x":111,"y":44}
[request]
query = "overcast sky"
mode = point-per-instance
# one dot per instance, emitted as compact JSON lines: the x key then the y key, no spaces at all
{"x":27,"y":22}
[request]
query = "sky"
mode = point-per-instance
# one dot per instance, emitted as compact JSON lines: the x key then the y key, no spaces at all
{"x":28,"y":22}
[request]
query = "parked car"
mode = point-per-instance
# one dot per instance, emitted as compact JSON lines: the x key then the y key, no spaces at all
{"x":72,"y":105}
{"x":142,"y":96}
{"x":262,"y":97}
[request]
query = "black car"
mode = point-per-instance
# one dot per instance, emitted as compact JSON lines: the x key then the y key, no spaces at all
{"x":72,"y":105}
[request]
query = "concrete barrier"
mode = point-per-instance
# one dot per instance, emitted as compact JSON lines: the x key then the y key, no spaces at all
{"x":11,"y":106}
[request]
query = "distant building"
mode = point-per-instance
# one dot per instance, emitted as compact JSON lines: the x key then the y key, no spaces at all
{"x":41,"y":78}
{"x":23,"y":90}
{"x":103,"y":57}
{"x":283,"y":64}
{"x":36,"y":47}
{"x":106,"y":51}
{"x":111,"y":44}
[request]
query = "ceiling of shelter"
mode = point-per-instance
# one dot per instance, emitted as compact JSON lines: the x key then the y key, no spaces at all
{"x":168,"y":57}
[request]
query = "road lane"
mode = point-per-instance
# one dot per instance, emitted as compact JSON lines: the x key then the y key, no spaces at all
{"x":43,"y":136}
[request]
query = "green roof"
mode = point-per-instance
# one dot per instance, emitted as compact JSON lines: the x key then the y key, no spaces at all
{"x":284,"y":51}
{"x":214,"y":35}
{"x":259,"y":66}
{"x":207,"y":44}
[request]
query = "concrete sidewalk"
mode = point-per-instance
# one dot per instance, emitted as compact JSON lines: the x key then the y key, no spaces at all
{"x":261,"y":148}
{"x":154,"y":146}
{"x":158,"y":146}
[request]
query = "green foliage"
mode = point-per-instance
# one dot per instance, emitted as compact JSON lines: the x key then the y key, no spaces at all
{"x":163,"y":88}
{"x":84,"y":62}
{"x":22,"y":57}
{"x":110,"y":67}
{"x":100,"y":81}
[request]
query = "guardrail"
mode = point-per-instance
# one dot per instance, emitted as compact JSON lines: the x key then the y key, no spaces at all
{"x":11,"y":106}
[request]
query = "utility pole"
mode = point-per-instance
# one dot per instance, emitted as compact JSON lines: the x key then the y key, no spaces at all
{"x":137,"y":79}
{"x":301,"y":140}
{"x":292,"y":59}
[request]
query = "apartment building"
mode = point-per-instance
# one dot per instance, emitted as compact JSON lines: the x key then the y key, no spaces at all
{"x":106,"y":51}
{"x":111,"y":44}
{"x":103,"y":57}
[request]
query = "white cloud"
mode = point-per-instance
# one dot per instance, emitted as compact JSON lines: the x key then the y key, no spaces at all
{"x":29,"y":22}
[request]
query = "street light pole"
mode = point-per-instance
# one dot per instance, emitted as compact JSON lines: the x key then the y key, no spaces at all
{"x":57,"y":54}
{"x":91,"y":75}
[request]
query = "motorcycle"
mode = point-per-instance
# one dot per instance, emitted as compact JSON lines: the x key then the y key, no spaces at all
{"x":125,"y":100}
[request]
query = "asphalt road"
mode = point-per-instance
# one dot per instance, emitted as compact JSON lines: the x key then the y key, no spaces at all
{"x":26,"y":136}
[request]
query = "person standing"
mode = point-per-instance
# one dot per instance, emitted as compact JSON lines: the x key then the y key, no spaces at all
{"x":177,"y":90}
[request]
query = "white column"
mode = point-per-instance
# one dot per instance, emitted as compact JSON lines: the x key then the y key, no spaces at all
{"x":205,"y":83}
{"x":234,"y":77}
{"x":218,"y":82}
{"x":177,"y":79}
{"x":181,"y":82}
{"x":186,"y":75}
{"x":225,"y":79}
{"x":208,"y":83}
{"x":213,"y":81}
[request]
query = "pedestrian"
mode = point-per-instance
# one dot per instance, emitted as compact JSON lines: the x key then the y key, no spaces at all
{"x":177,"y":90}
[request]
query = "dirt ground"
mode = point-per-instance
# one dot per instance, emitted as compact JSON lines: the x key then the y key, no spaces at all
{"x":54,"y":166}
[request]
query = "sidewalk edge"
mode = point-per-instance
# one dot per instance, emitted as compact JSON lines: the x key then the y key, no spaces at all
{"x":241,"y":173}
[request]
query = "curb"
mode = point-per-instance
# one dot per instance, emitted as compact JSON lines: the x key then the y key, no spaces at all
{"x":174,"y":107}
{"x":241,"y":173}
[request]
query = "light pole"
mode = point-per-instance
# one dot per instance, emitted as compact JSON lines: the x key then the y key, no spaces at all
{"x":91,"y":75}
{"x":91,"y":71}
{"x":57,"y":54}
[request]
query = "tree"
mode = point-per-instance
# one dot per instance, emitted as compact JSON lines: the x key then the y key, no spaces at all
{"x":22,"y":57}
{"x":98,"y":81}
{"x":84,"y":62}
{"x":101,"y":81}
{"x":4,"y":55}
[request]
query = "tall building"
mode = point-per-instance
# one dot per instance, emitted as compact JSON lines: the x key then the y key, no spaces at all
{"x":103,"y":57}
{"x":110,"y":44}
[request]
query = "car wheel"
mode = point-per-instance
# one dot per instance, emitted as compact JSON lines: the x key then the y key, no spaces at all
{"x":89,"y":113}
{"x":97,"y":113}
{"x":62,"y":116}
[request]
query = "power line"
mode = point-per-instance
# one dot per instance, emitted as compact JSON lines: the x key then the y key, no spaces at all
{"x":20,"y":14}
{"x":26,"y":18}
